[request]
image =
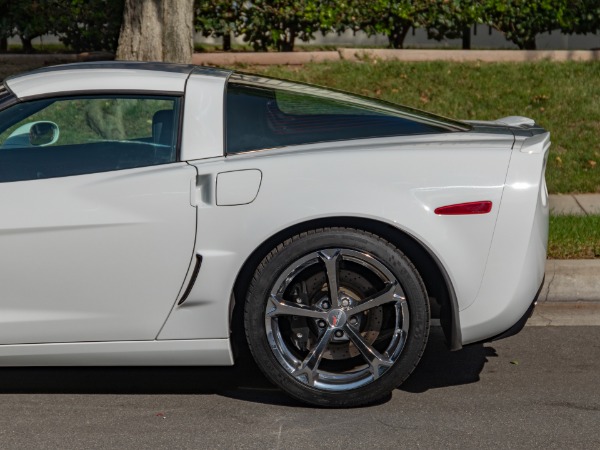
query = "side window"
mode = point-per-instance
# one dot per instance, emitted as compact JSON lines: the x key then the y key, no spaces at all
{"x":81,"y":135}
{"x":263,"y":117}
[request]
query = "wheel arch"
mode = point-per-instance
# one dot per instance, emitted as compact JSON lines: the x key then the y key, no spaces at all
{"x":442,"y":297}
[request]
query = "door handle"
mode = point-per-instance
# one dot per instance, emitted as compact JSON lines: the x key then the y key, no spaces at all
{"x":202,"y":190}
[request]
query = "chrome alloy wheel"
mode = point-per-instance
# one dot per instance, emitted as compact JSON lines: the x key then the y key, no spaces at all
{"x":336,"y":319}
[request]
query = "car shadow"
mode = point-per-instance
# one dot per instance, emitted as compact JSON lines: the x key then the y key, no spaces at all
{"x":438,"y":368}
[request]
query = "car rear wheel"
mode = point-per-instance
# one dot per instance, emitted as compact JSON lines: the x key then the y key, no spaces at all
{"x":336,"y":317}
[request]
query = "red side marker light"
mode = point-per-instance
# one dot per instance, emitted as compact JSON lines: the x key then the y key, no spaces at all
{"x":460,"y":209}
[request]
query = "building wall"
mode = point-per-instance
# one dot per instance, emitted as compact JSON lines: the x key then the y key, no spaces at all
{"x":482,"y":37}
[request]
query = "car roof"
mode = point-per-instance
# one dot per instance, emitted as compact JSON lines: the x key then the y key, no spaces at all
{"x":90,"y":77}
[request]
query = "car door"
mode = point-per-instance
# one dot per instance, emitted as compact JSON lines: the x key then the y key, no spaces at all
{"x":96,"y":225}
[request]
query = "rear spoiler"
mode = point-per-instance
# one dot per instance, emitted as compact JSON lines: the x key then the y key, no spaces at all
{"x":515,"y":121}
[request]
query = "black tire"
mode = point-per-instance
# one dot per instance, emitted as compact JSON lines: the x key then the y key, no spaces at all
{"x":349,"y":348}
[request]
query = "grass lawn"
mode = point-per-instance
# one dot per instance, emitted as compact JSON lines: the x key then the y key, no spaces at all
{"x":562,"y":97}
{"x":574,"y":237}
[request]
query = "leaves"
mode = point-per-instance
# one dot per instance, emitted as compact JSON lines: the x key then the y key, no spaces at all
{"x":522,"y":20}
{"x":278,"y":24}
{"x":88,"y":25}
{"x":84,"y":25}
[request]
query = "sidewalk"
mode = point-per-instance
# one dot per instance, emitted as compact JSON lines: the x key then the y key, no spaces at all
{"x":575,"y":204}
{"x":360,"y":54}
{"x":341,"y":54}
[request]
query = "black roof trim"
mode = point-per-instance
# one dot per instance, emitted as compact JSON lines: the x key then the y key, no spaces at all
{"x":212,"y":71}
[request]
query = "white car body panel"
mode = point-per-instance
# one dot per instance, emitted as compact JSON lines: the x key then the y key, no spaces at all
{"x":311,"y":182}
{"x":514,"y":271}
{"x":127,"y":240}
{"x":202,"y":135}
{"x":57,"y":235}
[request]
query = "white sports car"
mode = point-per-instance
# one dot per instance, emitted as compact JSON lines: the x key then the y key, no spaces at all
{"x":151,"y":213}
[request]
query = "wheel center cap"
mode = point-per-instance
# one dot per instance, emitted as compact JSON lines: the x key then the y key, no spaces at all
{"x":336,"y":318}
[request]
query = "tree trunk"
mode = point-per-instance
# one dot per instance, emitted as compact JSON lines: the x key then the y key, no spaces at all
{"x":529,"y":44}
{"x":157,"y":30}
{"x":26,"y":43}
{"x":3,"y":45}
{"x":398,"y":33}
{"x":178,"y":27}
{"x":287,"y":44}
{"x":227,"y":42}
{"x":466,"y":38}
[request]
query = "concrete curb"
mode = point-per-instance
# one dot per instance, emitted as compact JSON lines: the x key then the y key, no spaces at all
{"x":570,"y":295}
{"x":573,"y":314}
{"x":571,"y":281}
{"x":348,"y":54}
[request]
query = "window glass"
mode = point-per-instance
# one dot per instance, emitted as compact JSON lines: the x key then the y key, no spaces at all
{"x":78,"y":135}
{"x":268,"y":113}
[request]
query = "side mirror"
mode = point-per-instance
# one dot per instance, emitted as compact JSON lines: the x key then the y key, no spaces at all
{"x":32,"y":134}
{"x":43,"y":133}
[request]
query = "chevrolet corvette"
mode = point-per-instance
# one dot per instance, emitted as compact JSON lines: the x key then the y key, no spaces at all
{"x":160,"y":214}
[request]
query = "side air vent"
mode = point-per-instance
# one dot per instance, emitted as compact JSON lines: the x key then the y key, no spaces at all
{"x":190,"y":285}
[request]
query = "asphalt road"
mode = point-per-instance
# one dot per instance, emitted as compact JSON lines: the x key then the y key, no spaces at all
{"x":539,"y":389}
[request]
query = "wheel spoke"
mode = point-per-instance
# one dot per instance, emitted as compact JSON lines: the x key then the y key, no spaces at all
{"x":387,"y":295}
{"x":331,"y":260}
{"x":281,"y":307}
{"x":310,"y":364}
{"x":337,"y":319}
{"x":376,"y":361}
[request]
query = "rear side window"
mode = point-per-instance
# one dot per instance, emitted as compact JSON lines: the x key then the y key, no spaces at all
{"x":260,"y":117}
{"x":80,"y":135}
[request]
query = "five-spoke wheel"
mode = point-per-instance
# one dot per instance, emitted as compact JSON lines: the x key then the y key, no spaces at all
{"x":337,"y":317}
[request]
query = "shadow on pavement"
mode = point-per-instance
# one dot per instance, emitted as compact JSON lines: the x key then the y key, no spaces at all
{"x":439,"y":367}
{"x":244,"y":381}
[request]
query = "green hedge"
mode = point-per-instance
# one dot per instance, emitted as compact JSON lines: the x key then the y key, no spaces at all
{"x":86,"y":25}
{"x":278,"y":24}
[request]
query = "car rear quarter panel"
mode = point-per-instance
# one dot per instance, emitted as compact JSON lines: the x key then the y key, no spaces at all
{"x":396,"y":181}
{"x":516,"y":264}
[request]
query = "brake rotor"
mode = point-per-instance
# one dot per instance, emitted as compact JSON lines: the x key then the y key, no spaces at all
{"x":369,"y":326}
